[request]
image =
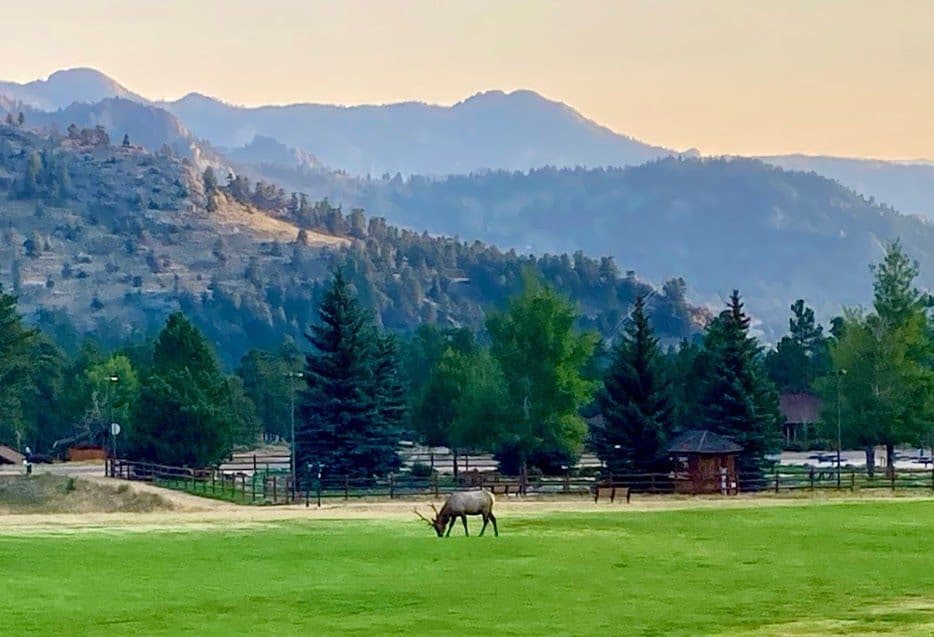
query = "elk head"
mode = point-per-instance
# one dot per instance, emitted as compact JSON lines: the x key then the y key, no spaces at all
{"x":437,"y":524}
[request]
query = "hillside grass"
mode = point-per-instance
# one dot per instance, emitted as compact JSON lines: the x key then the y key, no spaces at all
{"x":865,"y":568}
{"x":48,"y":493}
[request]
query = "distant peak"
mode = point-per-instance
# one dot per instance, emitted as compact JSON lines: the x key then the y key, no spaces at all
{"x":495,"y":95}
{"x":83,"y":72}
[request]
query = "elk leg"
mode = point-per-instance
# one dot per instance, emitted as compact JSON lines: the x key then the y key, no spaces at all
{"x":493,"y":520}
{"x":450,"y":526}
{"x":485,"y":520}
{"x":464,"y":520}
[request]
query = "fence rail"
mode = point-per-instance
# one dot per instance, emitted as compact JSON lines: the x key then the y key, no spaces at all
{"x":269,"y":483}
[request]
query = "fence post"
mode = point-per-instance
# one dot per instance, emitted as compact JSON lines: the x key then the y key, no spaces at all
{"x":892,"y":474}
{"x":243,"y":487}
{"x":434,"y":483}
{"x":275,"y":493}
{"x":254,"y":463}
{"x":567,"y":482}
{"x":346,"y":487}
{"x":319,"y":490}
{"x":853,"y":480}
{"x":776,"y":481}
{"x":811,"y":477}
{"x":392,"y":487}
{"x":651,"y":483}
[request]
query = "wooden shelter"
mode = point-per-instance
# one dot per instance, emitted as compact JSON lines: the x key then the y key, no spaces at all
{"x":11,"y":456}
{"x":801,"y":412}
{"x":704,"y":462}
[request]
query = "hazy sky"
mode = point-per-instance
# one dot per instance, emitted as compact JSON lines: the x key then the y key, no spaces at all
{"x":848,"y":77}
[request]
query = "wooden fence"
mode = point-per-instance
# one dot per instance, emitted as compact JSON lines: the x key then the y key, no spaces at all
{"x":266,"y":483}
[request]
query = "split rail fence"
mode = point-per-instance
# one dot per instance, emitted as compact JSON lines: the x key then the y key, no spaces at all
{"x":259,"y":482}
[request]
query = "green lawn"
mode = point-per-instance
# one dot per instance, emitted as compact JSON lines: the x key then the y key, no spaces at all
{"x":805,"y":570}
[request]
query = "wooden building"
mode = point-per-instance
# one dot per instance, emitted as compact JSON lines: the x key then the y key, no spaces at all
{"x":11,"y":456}
{"x":801,"y":415}
{"x":704,"y":462}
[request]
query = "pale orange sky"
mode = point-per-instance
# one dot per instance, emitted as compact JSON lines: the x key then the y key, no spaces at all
{"x":844,"y":77}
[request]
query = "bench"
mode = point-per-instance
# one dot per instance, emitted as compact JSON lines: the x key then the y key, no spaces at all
{"x":503,"y":488}
{"x":610,"y":491}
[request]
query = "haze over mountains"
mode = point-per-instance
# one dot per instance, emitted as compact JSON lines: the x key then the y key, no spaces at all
{"x":493,"y":130}
{"x":775,"y":234}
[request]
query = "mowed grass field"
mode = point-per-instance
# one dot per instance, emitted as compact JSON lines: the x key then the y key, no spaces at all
{"x":809,"y":569}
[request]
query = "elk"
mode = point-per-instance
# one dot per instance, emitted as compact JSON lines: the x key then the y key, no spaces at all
{"x":460,"y":504}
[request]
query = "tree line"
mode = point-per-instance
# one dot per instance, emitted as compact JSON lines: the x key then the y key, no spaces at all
{"x":531,"y":387}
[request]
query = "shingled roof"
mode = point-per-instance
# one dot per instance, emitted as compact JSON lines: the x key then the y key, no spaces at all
{"x":702,"y":441}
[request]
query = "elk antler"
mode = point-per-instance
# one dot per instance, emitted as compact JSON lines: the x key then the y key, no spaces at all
{"x":422,"y":517}
{"x":435,"y":509}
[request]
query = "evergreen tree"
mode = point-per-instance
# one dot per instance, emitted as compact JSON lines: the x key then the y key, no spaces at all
{"x":390,"y":392}
{"x":343,"y":409}
{"x":183,"y":415}
{"x":126,"y":140}
{"x":16,"y":366}
{"x":801,"y":356}
{"x":737,"y":398}
{"x":637,"y":414}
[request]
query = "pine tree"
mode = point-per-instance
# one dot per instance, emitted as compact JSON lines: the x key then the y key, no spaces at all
{"x":637,"y":414}
{"x":391,"y":395}
{"x":342,"y":415}
{"x":184,"y":415}
{"x":16,"y":341}
{"x":737,"y":398}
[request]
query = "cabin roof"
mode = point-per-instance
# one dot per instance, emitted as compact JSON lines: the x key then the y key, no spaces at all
{"x":702,"y":441}
{"x":10,"y":456}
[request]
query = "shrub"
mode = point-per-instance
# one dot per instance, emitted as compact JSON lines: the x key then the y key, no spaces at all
{"x":421,"y":470}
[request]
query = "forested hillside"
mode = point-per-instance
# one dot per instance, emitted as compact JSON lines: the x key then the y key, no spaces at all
{"x":777,"y":235}
{"x":102,"y":236}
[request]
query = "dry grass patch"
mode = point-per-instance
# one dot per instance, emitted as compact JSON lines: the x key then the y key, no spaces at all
{"x":49,"y":493}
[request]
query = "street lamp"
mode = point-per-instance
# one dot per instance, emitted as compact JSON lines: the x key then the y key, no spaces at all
{"x":840,"y":373}
{"x":113,"y":379}
{"x":292,"y":376}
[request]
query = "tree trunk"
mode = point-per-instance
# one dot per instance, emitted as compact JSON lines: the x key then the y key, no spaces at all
{"x":523,"y":474}
{"x":889,"y":459}
{"x":454,"y":455}
{"x":870,"y":460}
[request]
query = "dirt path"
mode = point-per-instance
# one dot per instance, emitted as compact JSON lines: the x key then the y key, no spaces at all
{"x":191,"y":513}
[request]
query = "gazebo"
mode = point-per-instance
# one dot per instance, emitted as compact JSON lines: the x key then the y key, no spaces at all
{"x":704,"y":462}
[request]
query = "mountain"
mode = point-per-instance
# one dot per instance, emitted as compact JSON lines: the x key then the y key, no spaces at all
{"x":907,"y":186}
{"x":492,"y":130}
{"x":271,"y":152}
{"x":776,"y":235}
{"x":489,"y":131}
{"x":108,"y":239}
{"x":65,"y":87}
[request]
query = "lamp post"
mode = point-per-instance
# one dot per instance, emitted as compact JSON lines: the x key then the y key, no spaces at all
{"x":840,"y":373}
{"x":292,"y":376}
{"x":112,"y":380}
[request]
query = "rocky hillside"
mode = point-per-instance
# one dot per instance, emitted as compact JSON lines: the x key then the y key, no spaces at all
{"x":105,"y":238}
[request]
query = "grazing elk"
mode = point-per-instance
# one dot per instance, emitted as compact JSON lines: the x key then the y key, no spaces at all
{"x":459,"y":505}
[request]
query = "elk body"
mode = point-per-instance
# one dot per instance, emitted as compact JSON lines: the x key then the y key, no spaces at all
{"x":460,"y":504}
